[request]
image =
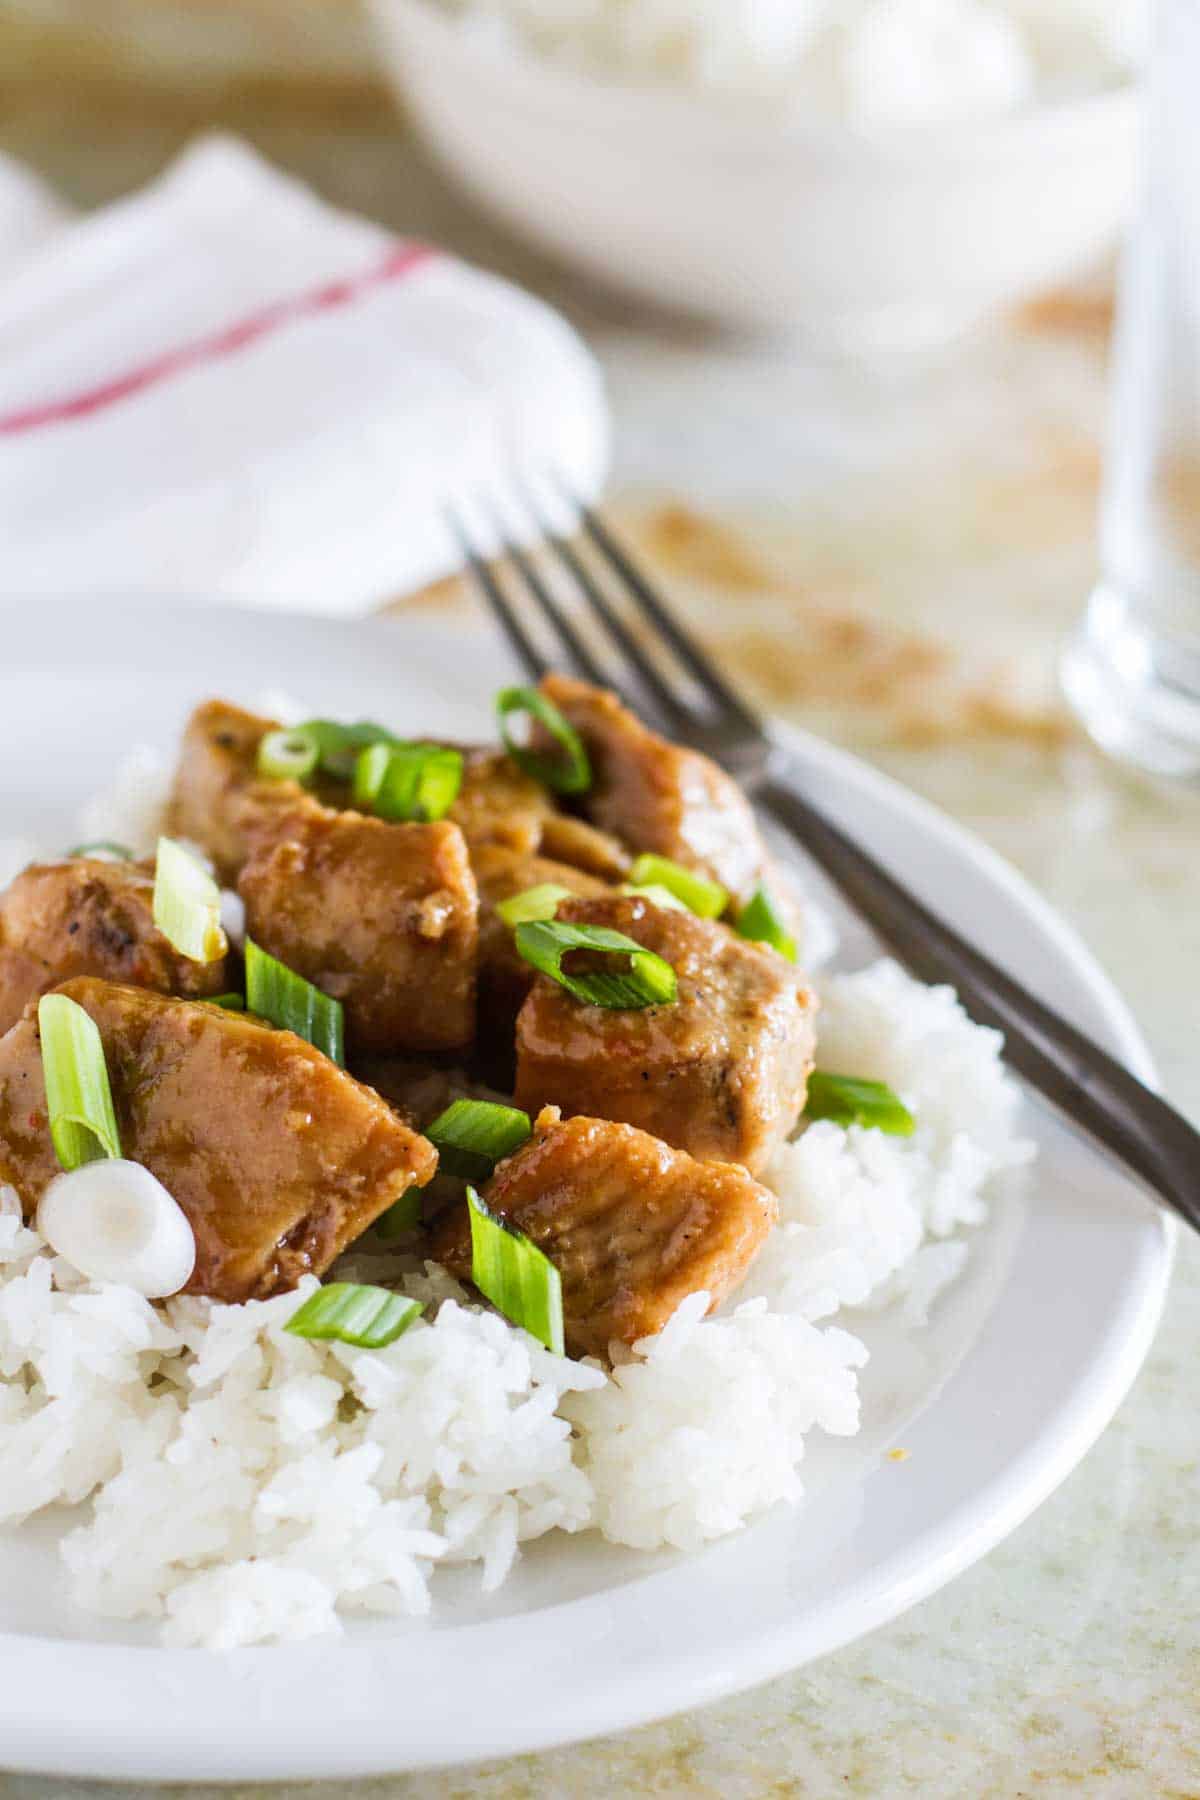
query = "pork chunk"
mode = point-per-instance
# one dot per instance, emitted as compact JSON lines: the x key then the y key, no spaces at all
{"x":217,"y":798}
{"x":657,"y":796}
{"x":500,"y":805}
{"x":84,"y":916}
{"x":279,"y":1158}
{"x":632,"y":1226}
{"x":721,"y":1073}
{"x":383,"y":917}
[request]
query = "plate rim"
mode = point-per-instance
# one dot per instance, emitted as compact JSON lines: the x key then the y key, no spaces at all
{"x":934,"y":1556}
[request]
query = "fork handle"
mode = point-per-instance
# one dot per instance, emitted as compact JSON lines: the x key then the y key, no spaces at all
{"x":1089,"y":1086}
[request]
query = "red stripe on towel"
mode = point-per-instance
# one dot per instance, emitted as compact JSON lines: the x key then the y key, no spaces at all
{"x":228,"y":341}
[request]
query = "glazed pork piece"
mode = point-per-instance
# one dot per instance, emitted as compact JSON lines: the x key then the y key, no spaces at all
{"x":657,"y":796}
{"x":500,"y":806}
{"x":383,"y":917}
{"x":720,"y":1073}
{"x":632,"y":1226}
{"x":498,"y":803}
{"x":84,"y":916}
{"x":217,"y":797}
{"x":278,"y":1157}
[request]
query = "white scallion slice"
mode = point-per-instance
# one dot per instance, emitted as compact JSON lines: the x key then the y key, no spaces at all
{"x":848,"y":1100}
{"x":83,"y":1125}
{"x":277,"y":993}
{"x":519,"y":1279}
{"x":115,"y":1221}
{"x":707,"y":899}
{"x":646,"y":980}
{"x":355,"y":1313}
{"x":187,"y":904}
{"x":541,"y":902}
{"x":288,"y":754}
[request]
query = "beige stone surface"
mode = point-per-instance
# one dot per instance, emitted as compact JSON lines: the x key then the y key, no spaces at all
{"x":890,"y":553}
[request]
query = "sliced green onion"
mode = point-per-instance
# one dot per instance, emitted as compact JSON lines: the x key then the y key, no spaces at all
{"x":760,"y":921}
{"x":187,"y":904}
{"x":472,"y":1136}
{"x":284,"y":755}
{"x":403,"y":1215}
{"x":231,"y":1002}
{"x":408,"y":781}
{"x":848,"y":1101}
{"x":277,"y":993}
{"x":657,"y":896}
{"x":104,"y":847}
{"x":370,"y":767}
{"x":338,"y":746}
{"x":519,"y":1280}
{"x":648,"y":981}
{"x":707,"y":899}
{"x":353,"y":1312}
{"x":568,"y":773}
{"x":540,"y":902}
{"x":83,"y":1125}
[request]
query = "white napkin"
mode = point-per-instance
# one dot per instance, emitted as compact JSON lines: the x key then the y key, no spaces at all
{"x":222,"y":387}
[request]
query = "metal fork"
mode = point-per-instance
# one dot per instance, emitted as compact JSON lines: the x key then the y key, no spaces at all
{"x":1093,"y":1090}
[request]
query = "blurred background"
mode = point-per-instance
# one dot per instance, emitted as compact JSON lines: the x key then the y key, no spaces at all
{"x":847,"y":269}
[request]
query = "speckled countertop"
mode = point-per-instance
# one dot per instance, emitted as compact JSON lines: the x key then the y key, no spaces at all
{"x":889,"y":553}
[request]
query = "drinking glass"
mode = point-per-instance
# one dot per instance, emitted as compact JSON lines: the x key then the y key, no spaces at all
{"x":1133,"y":669}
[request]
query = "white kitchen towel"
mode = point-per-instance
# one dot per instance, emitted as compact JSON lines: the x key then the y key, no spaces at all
{"x":223,"y":388}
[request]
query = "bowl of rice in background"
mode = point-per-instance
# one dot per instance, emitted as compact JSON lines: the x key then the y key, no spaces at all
{"x":863,"y":172}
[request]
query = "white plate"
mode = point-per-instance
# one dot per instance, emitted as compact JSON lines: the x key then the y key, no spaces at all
{"x":1020,"y":1369}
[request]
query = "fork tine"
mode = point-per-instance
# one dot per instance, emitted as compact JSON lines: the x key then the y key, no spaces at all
{"x":656,"y":610}
{"x":668,"y":702}
{"x":535,"y":663}
{"x":577,"y":651}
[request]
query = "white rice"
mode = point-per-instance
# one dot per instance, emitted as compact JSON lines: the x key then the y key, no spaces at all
{"x":871,"y":63}
{"x":245,"y":1485}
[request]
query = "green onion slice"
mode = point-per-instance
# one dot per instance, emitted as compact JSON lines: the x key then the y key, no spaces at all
{"x":760,"y":921}
{"x":408,"y":781}
{"x":83,"y":1125}
{"x":657,"y":896}
{"x":353,"y":1312}
{"x":187,"y":904}
{"x":104,"y":848}
{"x":231,"y":1002}
{"x":569,"y":772}
{"x":540,"y":902}
{"x":293,"y":754}
{"x":519,"y":1280}
{"x":848,"y":1101}
{"x":707,"y":899}
{"x":648,"y":980}
{"x":277,"y":993}
{"x":472,"y":1136}
{"x":403,"y":1215}
{"x":338,"y":746}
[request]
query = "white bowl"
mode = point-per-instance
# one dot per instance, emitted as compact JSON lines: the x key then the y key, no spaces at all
{"x":760,"y":221}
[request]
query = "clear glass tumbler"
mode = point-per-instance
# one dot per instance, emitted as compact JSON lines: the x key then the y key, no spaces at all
{"x":1133,"y":669}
